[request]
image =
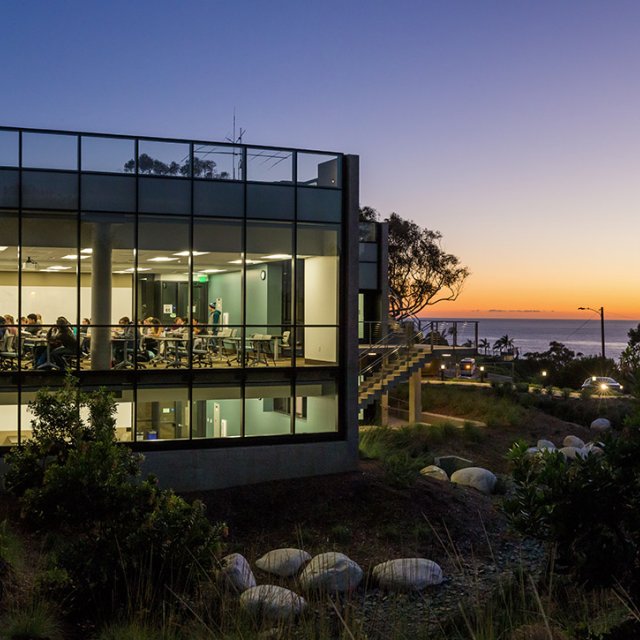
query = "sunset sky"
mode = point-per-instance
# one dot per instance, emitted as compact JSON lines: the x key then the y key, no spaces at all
{"x":511,"y":127}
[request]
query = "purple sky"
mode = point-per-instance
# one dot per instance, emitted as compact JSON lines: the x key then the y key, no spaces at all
{"x":512,"y":127}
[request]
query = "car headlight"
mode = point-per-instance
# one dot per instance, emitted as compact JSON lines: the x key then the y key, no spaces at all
{"x":603,"y":386}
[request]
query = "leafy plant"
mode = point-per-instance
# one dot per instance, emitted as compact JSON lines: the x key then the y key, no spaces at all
{"x":589,"y":508}
{"x":116,"y":539}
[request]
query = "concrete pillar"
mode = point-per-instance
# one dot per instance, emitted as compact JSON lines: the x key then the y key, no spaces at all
{"x":101,"y":296}
{"x":415,"y":397}
{"x":384,"y":410}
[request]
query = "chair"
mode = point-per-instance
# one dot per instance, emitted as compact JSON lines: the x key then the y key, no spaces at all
{"x":285,"y":345}
{"x":203,"y":349}
{"x":8,"y":353}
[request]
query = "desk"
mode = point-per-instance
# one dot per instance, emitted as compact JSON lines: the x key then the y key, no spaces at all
{"x":34,"y":341}
{"x":164,"y":357}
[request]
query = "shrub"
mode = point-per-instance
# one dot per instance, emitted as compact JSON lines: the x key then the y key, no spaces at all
{"x":401,"y":470}
{"x":590,"y":508}
{"x":34,"y":622}
{"x":116,"y":538}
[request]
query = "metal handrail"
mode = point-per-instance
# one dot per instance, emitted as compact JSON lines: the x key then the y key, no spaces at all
{"x":415,"y":339}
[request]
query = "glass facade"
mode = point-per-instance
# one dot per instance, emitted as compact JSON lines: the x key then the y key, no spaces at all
{"x":200,"y":281}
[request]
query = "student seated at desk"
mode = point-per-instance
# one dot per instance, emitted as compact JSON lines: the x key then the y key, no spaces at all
{"x":61,"y":342}
{"x":126,"y":336}
{"x":151,"y":331}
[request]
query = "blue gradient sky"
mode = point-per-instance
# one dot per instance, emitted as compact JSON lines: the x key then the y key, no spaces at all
{"x":512,"y":127}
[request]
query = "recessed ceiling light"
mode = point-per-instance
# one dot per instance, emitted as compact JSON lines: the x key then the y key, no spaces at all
{"x":74,"y":257}
{"x":57,"y":267}
{"x":87,"y":250}
{"x":239,"y":261}
{"x":131,"y":270}
{"x":3,"y":248}
{"x":277,"y":256}
{"x":162,"y":259}
{"x":193,"y":253}
{"x":212,"y":270}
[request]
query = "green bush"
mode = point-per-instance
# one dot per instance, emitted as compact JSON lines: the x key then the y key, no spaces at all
{"x":115,"y":538}
{"x":401,"y":470}
{"x":589,"y":508}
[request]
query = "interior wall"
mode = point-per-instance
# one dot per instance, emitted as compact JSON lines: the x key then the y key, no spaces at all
{"x":320,"y":280}
{"x":228,"y":286}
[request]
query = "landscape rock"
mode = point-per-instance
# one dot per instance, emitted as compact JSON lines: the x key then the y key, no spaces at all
{"x":435,"y":472}
{"x":283,"y":562}
{"x":332,"y":572}
{"x":531,"y":451}
{"x":573,"y":441}
{"x":571,"y":453}
{"x":408,"y":574}
{"x":272,"y":602}
{"x":235,"y":572}
{"x":476,"y":477}
{"x":592,"y":447}
{"x":546,"y":444}
{"x":600,"y":424}
{"x":450,"y":464}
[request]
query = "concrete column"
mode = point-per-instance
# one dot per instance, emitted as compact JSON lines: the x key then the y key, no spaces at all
{"x":384,"y":410}
{"x":101,"y":296}
{"x":415,"y":397}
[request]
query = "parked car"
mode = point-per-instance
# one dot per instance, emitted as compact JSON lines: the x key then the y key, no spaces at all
{"x":600,"y":383}
{"x":468,"y":367}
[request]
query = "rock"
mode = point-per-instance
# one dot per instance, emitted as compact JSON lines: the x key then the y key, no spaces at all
{"x":272,"y":602}
{"x":591,"y":447}
{"x":408,"y":574}
{"x":476,"y":477}
{"x":331,"y":572}
{"x":449,"y":464}
{"x":571,"y":453}
{"x":236,"y":573}
{"x":573,"y":441}
{"x":600,"y":424}
{"x":531,"y":451}
{"x":432,"y":471}
{"x":283,"y":562}
{"x":546,"y":444}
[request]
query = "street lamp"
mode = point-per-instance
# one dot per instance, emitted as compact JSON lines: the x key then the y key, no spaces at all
{"x":601,"y":312}
{"x":442,"y":368}
{"x":481,"y":373}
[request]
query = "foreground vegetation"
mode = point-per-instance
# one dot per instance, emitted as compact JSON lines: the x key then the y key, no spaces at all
{"x":96,"y":552}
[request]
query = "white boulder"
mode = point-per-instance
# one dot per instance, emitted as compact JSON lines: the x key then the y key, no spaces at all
{"x":432,"y":471}
{"x":283,"y":562}
{"x":476,"y":477}
{"x":332,"y":572}
{"x":532,"y":451}
{"x":546,"y":444}
{"x":235,"y":572}
{"x":594,"y":448}
{"x":408,"y":574}
{"x":571,"y":453}
{"x":272,"y":602}
{"x":573,"y":441}
{"x":600,"y":424}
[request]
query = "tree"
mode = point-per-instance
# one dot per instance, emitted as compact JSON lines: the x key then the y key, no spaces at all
{"x":421,"y":273}
{"x":505,"y":343}
{"x":484,"y":344}
{"x":630,"y":357}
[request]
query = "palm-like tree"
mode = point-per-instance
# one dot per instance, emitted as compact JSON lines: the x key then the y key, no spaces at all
{"x":505,"y":343}
{"x":484,"y":344}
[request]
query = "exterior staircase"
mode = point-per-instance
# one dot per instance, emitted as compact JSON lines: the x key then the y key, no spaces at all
{"x":397,"y":368}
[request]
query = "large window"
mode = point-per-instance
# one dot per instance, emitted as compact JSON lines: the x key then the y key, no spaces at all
{"x":199,"y":281}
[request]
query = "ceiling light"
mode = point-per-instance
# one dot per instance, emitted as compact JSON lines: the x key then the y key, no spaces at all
{"x":193,"y":253}
{"x":57,"y":267}
{"x":277,"y":256}
{"x":212,"y":270}
{"x":132,"y":269}
{"x":87,"y":250}
{"x":239,"y":261}
{"x":3,"y":248}
{"x":162,"y":259}
{"x":71,"y":256}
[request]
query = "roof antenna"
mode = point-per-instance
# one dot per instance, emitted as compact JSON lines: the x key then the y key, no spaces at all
{"x":236,"y":140}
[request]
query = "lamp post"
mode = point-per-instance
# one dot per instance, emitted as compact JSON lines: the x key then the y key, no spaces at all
{"x":481,"y":373}
{"x":601,"y":312}
{"x":442,"y":368}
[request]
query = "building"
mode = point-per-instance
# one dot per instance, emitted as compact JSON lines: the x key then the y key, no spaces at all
{"x":209,"y":286}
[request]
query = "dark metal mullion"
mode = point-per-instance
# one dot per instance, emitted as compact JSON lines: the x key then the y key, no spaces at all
{"x":18,"y":408}
{"x":294,"y":292}
{"x":78,"y":241}
{"x":136,"y":224}
{"x":244,"y":293}
{"x":190,"y":295}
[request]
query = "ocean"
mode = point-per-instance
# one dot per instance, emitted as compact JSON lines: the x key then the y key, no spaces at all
{"x":534,"y":335}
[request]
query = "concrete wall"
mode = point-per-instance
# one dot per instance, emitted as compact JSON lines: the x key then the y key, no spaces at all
{"x":197,"y":469}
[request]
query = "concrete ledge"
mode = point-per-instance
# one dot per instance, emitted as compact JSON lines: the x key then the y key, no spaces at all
{"x":202,"y":469}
